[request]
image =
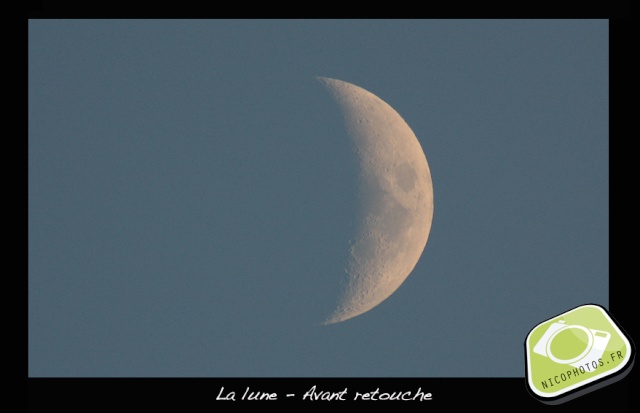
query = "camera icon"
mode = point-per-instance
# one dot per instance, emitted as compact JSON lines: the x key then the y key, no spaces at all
{"x":597,"y":341}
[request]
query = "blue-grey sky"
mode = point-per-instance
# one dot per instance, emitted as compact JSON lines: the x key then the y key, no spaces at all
{"x":192,"y":189}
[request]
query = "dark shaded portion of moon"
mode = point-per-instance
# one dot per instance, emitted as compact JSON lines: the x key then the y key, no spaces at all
{"x":405,"y":177}
{"x":322,"y":204}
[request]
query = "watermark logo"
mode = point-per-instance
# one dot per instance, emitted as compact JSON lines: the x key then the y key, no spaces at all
{"x":575,"y":353}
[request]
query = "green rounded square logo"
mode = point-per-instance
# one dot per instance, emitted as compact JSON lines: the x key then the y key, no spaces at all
{"x":574,"y":353}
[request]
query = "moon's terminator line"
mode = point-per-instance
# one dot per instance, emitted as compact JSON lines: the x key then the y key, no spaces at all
{"x":396,"y":200}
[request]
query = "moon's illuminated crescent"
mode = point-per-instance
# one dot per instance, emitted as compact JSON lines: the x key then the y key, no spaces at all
{"x":396,"y":198}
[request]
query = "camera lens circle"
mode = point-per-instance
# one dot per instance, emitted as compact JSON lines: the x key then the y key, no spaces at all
{"x":566,"y":331}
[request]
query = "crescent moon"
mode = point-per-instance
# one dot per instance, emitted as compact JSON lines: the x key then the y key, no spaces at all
{"x":396,"y":200}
